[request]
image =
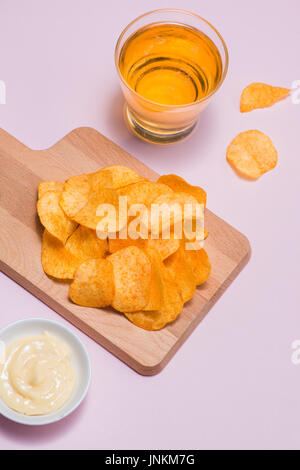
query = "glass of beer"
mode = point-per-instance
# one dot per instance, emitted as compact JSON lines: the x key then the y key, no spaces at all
{"x":170,"y":63}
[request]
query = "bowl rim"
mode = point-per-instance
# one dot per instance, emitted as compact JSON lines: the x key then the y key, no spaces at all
{"x":54,"y":417}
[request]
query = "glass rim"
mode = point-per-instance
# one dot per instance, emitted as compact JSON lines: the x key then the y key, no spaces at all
{"x":172,"y":106}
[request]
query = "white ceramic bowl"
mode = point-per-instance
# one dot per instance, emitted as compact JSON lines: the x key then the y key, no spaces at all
{"x":79,"y":360}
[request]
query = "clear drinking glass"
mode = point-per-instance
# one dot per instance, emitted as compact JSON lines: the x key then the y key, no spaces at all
{"x":199,"y":69}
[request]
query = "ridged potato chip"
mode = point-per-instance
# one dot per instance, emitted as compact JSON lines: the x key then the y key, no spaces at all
{"x":132,"y":279}
{"x":53,"y":218}
{"x":252,"y":154}
{"x":56,"y":260}
{"x":93,"y":284}
{"x":171,"y":308}
{"x":200,"y":265}
{"x":261,"y":95}
{"x":84,"y":244}
{"x":45,"y":186}
{"x":179,"y":185}
{"x":182,"y":273}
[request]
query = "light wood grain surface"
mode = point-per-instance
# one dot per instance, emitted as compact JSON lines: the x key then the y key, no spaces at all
{"x":85,"y":150}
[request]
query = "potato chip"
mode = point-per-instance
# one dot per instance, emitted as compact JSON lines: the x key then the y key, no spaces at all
{"x":156,"y":282}
{"x":75,"y":194}
{"x":117,"y":176}
{"x":200,"y":264}
{"x":79,"y":189}
{"x":171,"y":308}
{"x":45,"y":186}
{"x":156,"y":287}
{"x":144,"y":192}
{"x":56,"y":260}
{"x":165,"y":247}
{"x":52,"y":216}
{"x":88,"y":217}
{"x":260,"y":95}
{"x":193,"y":239}
{"x":93,"y":284}
{"x":84,"y":244}
{"x":252,"y":154}
{"x":118,"y":244}
{"x":179,"y":185}
{"x":83,"y":195}
{"x":132,"y":278}
{"x":171,"y":211}
{"x":181,"y":271}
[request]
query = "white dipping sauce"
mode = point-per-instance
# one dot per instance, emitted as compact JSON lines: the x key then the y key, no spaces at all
{"x":37,"y":377}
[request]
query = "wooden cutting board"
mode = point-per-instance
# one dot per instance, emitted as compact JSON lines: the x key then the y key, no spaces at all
{"x":85,"y":150}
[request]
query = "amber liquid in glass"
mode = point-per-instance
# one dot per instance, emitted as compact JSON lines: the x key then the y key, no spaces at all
{"x":171,"y":64}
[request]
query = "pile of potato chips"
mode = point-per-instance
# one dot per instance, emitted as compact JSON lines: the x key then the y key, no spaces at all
{"x":148,"y":280}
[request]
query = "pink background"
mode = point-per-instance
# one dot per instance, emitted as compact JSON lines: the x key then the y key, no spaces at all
{"x":232,"y":384}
